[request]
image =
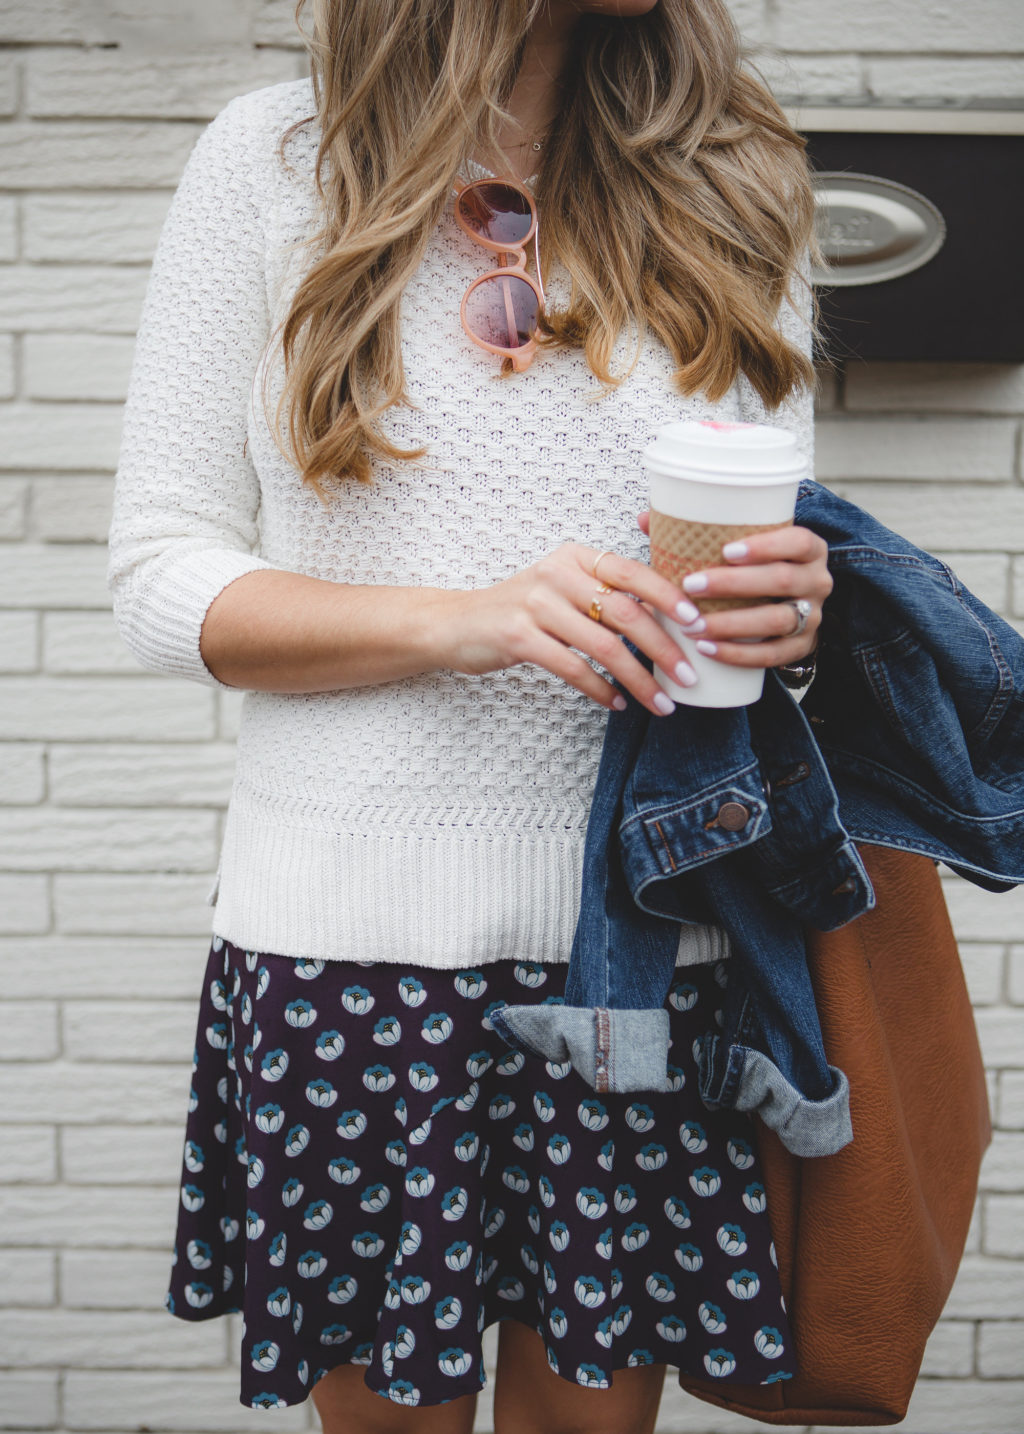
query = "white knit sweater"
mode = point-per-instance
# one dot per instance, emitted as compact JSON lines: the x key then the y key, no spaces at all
{"x":437,"y":820}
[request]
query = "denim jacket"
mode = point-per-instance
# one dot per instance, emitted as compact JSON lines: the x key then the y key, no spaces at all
{"x":911,"y":736}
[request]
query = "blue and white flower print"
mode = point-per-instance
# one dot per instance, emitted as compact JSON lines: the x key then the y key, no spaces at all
{"x":412,"y":991}
{"x":455,"y":1203}
{"x":330,"y":1045}
{"x":299,"y":1013}
{"x":437,"y":1028}
{"x":264,"y":1355}
{"x":470,"y":984}
{"x":375,"y":1197}
{"x":448,"y":1312}
{"x":559,"y":1149}
{"x":683,"y":996}
{"x":511,"y":1063}
{"x":311,"y":1264}
{"x":527,"y":1187}
{"x":343,"y":1170}
{"x":741,"y":1153}
{"x":367,"y":1244}
{"x":422,"y":1077}
{"x":743,"y":1284}
{"x":660,"y":1287}
{"x":543,"y":1105}
{"x":591,"y":1203}
{"x":377,"y":1078}
{"x":419,"y":1181}
{"x":269,"y":1119}
{"x":351,"y":1124}
{"x":590,"y":1291}
{"x":719,"y":1363}
{"x":296,"y":1140}
{"x":357,"y":1000}
{"x":522,"y":1136}
{"x":558,"y":1234}
{"x":712,"y":1318}
{"x":732,"y":1239}
{"x":624,"y":1199}
{"x":640,"y":1118}
{"x":768,"y":1341}
{"x":678,"y":1212}
{"x":690,"y":1257}
{"x":693,"y":1138}
{"x":274,"y":1065}
{"x":592,"y":1115}
{"x":458,"y":1255}
{"x":454,"y":1362}
{"x":754,"y":1198}
{"x":706,"y":1182}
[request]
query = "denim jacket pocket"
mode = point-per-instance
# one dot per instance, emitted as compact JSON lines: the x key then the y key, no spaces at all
{"x":663,"y":840}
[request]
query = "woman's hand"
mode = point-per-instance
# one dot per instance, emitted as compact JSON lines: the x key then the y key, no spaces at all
{"x":786,"y":563}
{"x":541,"y":614}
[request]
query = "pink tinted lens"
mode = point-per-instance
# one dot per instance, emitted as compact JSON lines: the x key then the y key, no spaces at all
{"x":497,"y":212}
{"x":503,"y":311}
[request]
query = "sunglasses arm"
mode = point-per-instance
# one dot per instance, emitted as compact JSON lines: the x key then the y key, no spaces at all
{"x":536,"y":250}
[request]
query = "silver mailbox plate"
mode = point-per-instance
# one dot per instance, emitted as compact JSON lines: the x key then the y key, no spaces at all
{"x":872,"y":229}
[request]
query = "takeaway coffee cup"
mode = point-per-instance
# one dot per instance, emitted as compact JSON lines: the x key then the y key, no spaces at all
{"x":710,"y":484}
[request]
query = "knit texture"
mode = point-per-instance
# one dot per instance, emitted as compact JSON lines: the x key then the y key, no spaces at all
{"x":438,"y":820}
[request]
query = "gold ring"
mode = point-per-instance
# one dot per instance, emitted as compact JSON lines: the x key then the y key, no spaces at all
{"x":606,"y":554}
{"x":595,"y":607}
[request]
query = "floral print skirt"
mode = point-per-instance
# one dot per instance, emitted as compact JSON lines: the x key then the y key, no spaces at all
{"x":372,"y":1176}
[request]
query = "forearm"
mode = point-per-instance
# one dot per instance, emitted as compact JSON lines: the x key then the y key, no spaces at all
{"x":274,"y":631}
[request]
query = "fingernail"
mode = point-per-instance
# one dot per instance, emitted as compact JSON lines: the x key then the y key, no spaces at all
{"x":685,"y":674}
{"x":664,"y":703}
{"x":619,"y":702}
{"x":686,"y":611}
{"x":698,"y":625}
{"x":695,"y":583}
{"x":708,"y":648}
{"x":734,"y":550}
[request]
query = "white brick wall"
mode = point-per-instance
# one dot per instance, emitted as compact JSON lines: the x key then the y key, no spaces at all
{"x":114,"y":780}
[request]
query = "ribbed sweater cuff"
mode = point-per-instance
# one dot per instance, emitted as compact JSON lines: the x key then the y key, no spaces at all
{"x":162,"y":623}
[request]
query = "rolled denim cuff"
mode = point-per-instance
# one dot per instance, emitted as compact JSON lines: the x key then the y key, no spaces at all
{"x":613,"y":1050}
{"x":805,"y":1127}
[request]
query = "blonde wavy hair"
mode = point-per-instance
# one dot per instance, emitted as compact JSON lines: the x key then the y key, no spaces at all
{"x":672,"y":190}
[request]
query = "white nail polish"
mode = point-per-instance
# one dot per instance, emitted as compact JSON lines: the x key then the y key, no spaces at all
{"x":735,"y":550}
{"x":707,"y":648}
{"x":685,"y":674}
{"x":664,"y":703}
{"x":695,"y":583}
{"x":698,"y":625}
{"x":686,"y":612}
{"x":619,"y":702}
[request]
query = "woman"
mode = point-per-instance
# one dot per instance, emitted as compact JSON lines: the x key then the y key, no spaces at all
{"x":403,"y":586}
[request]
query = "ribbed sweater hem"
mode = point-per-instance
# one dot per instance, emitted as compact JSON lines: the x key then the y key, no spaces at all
{"x":458,"y":898}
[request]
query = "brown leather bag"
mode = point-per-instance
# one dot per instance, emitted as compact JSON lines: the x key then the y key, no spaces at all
{"x":869,"y":1240}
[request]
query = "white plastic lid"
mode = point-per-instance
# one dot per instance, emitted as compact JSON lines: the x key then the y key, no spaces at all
{"x":743,"y":451}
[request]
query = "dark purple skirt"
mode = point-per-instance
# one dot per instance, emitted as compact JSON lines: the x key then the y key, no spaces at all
{"x":371,"y":1176}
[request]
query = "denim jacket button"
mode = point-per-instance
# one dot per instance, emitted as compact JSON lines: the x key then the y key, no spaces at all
{"x":733,"y":816}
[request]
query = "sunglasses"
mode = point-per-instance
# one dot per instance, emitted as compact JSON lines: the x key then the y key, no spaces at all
{"x":500,"y":310}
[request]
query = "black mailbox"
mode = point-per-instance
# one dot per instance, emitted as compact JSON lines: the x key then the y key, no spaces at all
{"x":921,"y":217}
